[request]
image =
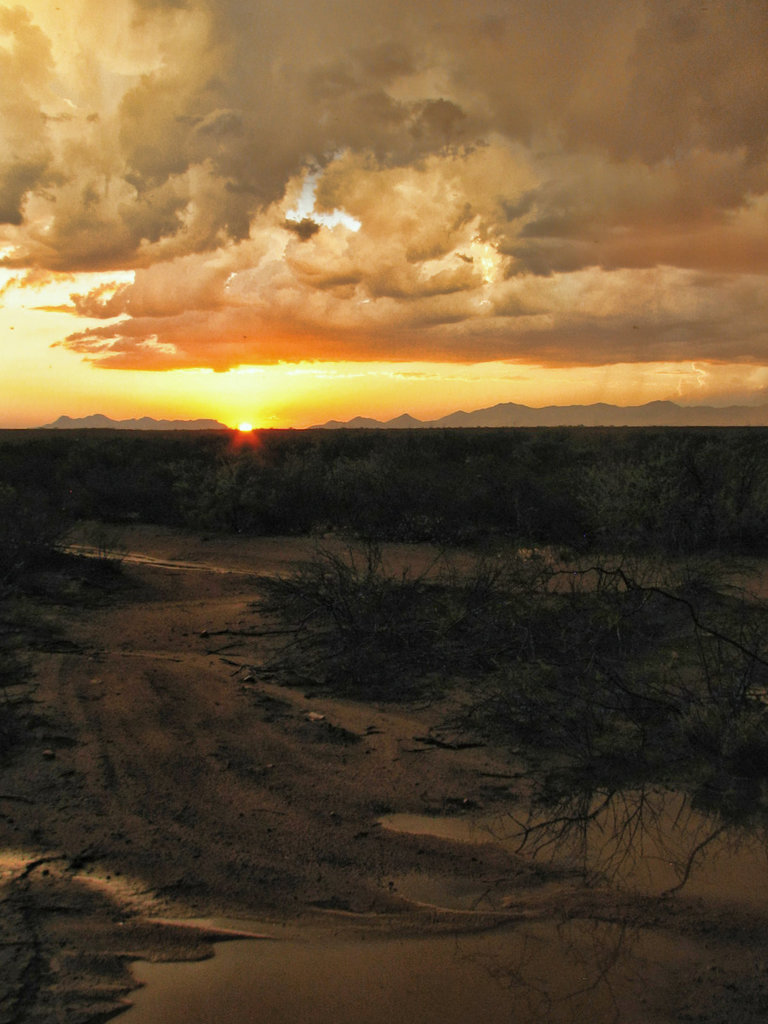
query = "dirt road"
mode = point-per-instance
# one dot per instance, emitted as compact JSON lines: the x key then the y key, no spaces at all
{"x":168,"y":777}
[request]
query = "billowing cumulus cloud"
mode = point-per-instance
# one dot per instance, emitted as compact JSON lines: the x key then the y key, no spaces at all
{"x":556,"y":183}
{"x":25,"y":83}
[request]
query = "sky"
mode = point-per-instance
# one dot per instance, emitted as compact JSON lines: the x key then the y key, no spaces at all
{"x":287,"y":211}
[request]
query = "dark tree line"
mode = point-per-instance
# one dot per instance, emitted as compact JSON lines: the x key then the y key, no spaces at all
{"x":673,"y":490}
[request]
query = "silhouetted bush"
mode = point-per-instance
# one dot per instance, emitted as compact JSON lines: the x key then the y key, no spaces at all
{"x":29,"y":530}
{"x":627,"y":674}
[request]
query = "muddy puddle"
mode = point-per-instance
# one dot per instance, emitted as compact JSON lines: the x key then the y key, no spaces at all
{"x":537,"y":972}
{"x":536,"y":966}
{"x":649,"y":842}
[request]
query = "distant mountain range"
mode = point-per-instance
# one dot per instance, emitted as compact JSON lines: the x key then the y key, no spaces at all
{"x":506,"y":414}
{"x":99,"y":422}
{"x":509,"y":414}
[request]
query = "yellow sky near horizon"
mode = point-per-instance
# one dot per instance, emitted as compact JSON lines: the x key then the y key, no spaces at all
{"x":417,"y":208}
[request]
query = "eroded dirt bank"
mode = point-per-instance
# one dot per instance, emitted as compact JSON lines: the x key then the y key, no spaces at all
{"x":170,"y":777}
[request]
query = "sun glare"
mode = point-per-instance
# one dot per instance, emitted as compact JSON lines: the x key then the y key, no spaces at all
{"x":245,"y":428}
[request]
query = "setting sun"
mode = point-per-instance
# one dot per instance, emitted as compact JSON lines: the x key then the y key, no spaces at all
{"x":439,"y":249}
{"x":245,"y":428}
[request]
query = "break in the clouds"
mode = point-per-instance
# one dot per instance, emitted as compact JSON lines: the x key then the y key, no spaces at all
{"x":555,"y":183}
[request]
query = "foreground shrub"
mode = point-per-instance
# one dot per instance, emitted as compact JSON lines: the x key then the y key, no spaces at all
{"x":367,"y":631}
{"x":29,"y":529}
{"x":627,"y":674}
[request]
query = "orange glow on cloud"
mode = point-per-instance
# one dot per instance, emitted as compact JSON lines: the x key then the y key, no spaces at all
{"x":541,"y":203}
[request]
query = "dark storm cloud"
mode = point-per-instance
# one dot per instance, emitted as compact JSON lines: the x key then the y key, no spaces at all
{"x":304,"y":228}
{"x":496,"y":162}
{"x":26,"y":69}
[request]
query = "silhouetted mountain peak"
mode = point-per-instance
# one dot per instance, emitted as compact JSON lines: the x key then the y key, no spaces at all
{"x":98,"y":421}
{"x":599,"y":414}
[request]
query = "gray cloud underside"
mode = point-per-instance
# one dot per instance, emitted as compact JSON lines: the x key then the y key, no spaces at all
{"x":563,"y":182}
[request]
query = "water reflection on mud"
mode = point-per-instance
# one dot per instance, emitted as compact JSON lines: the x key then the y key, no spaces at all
{"x":656,"y":840}
{"x":647,"y":839}
{"x":548,"y":961}
{"x":538,"y":973}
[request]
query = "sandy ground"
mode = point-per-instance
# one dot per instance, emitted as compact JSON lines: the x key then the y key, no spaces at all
{"x":169,"y":777}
